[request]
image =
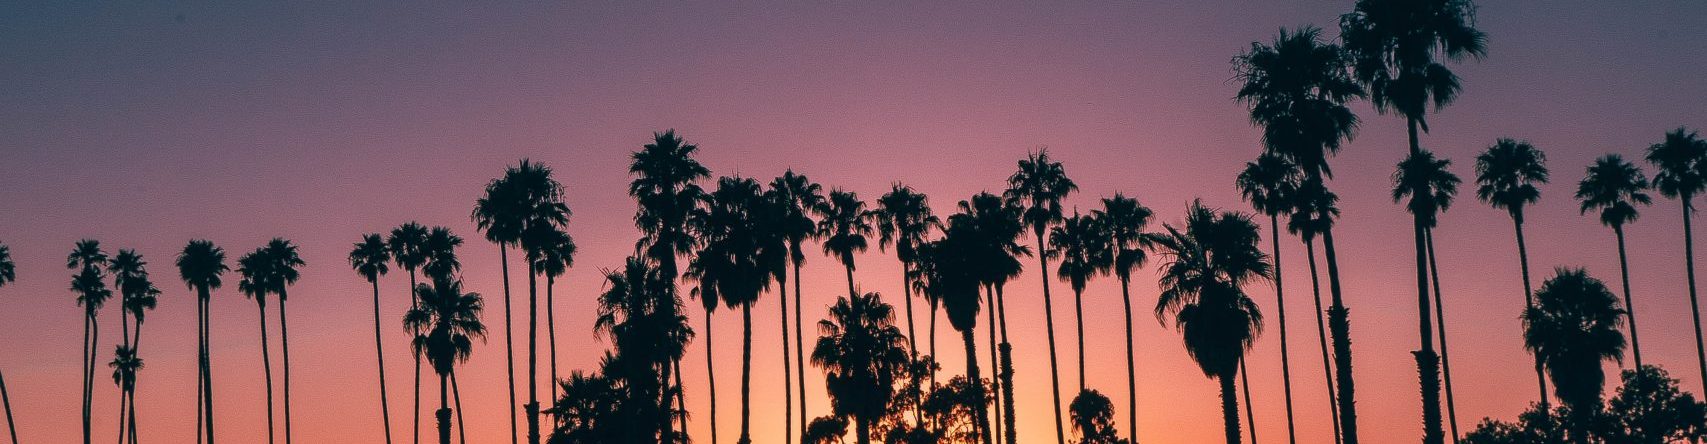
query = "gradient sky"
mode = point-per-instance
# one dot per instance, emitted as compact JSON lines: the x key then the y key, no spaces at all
{"x":146,"y":125}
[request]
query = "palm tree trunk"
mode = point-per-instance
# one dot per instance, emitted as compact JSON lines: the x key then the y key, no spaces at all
{"x":1079,"y":323}
{"x":1529,"y":298}
{"x":982,"y":409}
{"x":1245,"y":383}
{"x":711,"y":376}
{"x":379,"y":351}
{"x":6,"y":400}
{"x":787,"y":374}
{"x":1339,"y":325}
{"x":799,"y":350}
{"x":266,"y":364}
{"x":89,"y":335}
{"x":1445,"y":356}
{"x":124,"y":335}
{"x":284,"y":351}
{"x":415,"y":433}
{"x":1322,"y":338}
{"x":746,"y":372}
{"x":509,"y":348}
{"x":207,"y":358}
{"x":201,"y":353}
{"x":1131,"y":367}
{"x":669,"y":423}
{"x":136,"y":349}
{"x":1229,"y":407}
{"x":1049,"y":324}
{"x":1285,"y":356}
{"x":444,"y":410}
{"x":1629,"y":307}
{"x":851,"y":291}
{"x":456,"y":400}
{"x":862,"y":430}
{"x":551,"y":333}
{"x":681,"y":400}
{"x":532,"y":408}
{"x":907,"y":294}
{"x":995,"y":360}
{"x":1006,"y":372}
{"x":1689,"y":264}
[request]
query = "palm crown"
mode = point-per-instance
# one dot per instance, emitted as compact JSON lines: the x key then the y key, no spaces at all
{"x":445,"y":323}
{"x":1267,"y":183}
{"x":1427,"y":182}
{"x":1083,"y":246}
{"x":201,"y":264}
{"x":992,"y":228}
{"x":407,"y":244}
{"x":666,"y":190}
{"x":1395,"y":48}
{"x":863,"y":352}
{"x":1208,"y":262}
{"x":798,"y":197}
{"x":1039,"y":186}
{"x":1615,"y":187}
{"x":1507,"y":174}
{"x":904,"y":218}
{"x":1680,"y":163}
{"x":1574,"y":325}
{"x":1314,"y":209}
{"x":734,"y":265}
{"x":1296,"y":88}
{"x":845,"y":224}
{"x":283,"y":265}
{"x":1125,"y":220}
{"x":369,"y":257}
{"x":8,"y":270}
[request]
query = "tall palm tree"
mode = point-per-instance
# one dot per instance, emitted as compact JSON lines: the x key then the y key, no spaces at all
{"x":845,"y":224}
{"x":283,"y":273}
{"x":1297,"y":88}
{"x":1506,"y":177}
{"x":92,"y":292}
{"x":543,"y":215}
{"x":1573,"y":326}
{"x":736,"y":263}
{"x":142,"y":297}
{"x":994,"y":226}
{"x":1083,"y":246}
{"x":666,"y":190}
{"x":1431,"y":188}
{"x":862,"y":353}
{"x":8,"y":274}
{"x":1680,"y":163}
{"x":953,"y":278}
{"x":438,"y":252}
{"x":445,"y":325}
{"x":200,"y":265}
{"x":370,"y":259}
{"x":904,"y":220}
{"x":1208,"y":262}
{"x":257,"y":280}
{"x":1313,"y":212}
{"x":1616,"y":187}
{"x":557,"y":255}
{"x":127,"y":268}
{"x":1126,"y":219}
{"x":1266,"y":183}
{"x":797,"y":198}
{"x":1039,"y":186}
{"x":408,"y":244}
{"x":500,"y":213}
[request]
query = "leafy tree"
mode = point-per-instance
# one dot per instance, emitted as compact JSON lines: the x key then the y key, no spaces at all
{"x":863,"y":355}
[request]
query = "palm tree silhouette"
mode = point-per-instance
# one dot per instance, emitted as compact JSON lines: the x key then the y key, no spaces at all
{"x":993,"y":224}
{"x":1431,"y":188}
{"x":1125,"y":219}
{"x":1266,"y":183}
{"x":645,"y":321}
{"x":1093,"y":419}
{"x":124,"y":365}
{"x":542,"y":214}
{"x":1395,"y":49}
{"x":127,"y":269}
{"x":283,"y":271}
{"x":445,"y":324}
{"x":142,"y":297}
{"x":1615,"y":187}
{"x":1208,"y":262}
{"x":500,"y":213}
{"x":1506,"y":177}
{"x":1574,"y":326}
{"x":92,"y":292}
{"x":666,"y":192}
{"x":8,"y":274}
{"x":736,"y":263}
{"x":797,"y":198}
{"x":200,"y":266}
{"x":556,"y":256}
{"x":439,"y":262}
{"x":1039,"y":186}
{"x":369,"y":258}
{"x":904,"y":220}
{"x":255,"y":269}
{"x":1313,"y":213}
{"x":862,"y":354}
{"x":1083,"y":247}
{"x":407,"y":243}
{"x":845,"y":224}
{"x":1679,"y":162}
{"x":953,"y":278}
{"x":1296,"y":88}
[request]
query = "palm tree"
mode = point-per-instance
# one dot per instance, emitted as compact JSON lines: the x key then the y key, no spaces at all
{"x":645,"y":322}
{"x":797,"y":197}
{"x":1574,"y":326}
{"x":953,"y":278}
{"x":1209,"y":260}
{"x":862,"y":354}
{"x":8,"y":274}
{"x":499,"y":213}
{"x":736,"y":263}
{"x":543,"y":215}
{"x":666,"y":192}
{"x":845,"y":224}
{"x":1039,"y":186}
{"x":1431,"y":188}
{"x":445,"y":324}
{"x":283,"y":272}
{"x":439,"y":261}
{"x":1125,"y":220}
{"x":1680,"y":161}
{"x":142,"y":298}
{"x":1313,"y":213}
{"x":124,"y":365}
{"x":407,"y":244}
{"x":557,"y":255}
{"x":1506,"y":177}
{"x":1083,"y":246}
{"x":369,"y":258}
{"x":1297,"y":88}
{"x":256,"y":269}
{"x":127,"y":270}
{"x":1267,"y":183}
{"x":904,"y":220}
{"x":994,"y":225}
{"x":1093,"y":419}
{"x":200,"y":266}
{"x":1615,"y":187}
{"x":92,"y":292}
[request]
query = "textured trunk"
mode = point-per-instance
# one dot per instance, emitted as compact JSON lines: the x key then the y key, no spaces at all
{"x":135,"y":347}
{"x":851,"y":291}
{"x":415,"y":431}
{"x":746,"y":373}
{"x":1445,"y":356}
{"x":982,"y":409}
{"x":681,"y":399}
{"x":1049,"y":324}
{"x":444,"y":411}
{"x":1689,"y":272}
{"x":1322,"y":338}
{"x":532,"y":409}
{"x":90,"y":330}
{"x":711,"y":376}
{"x":379,"y":350}
{"x":201,"y":376}
{"x":1079,"y":324}
{"x":1339,"y":326}
{"x":669,"y":423}
{"x":6,"y":399}
{"x":551,"y":332}
{"x":1426,"y":358}
{"x":1229,"y":407}
{"x":1629,"y":306}
{"x":207,"y":359}
{"x":284,"y":351}
{"x":907,"y":294}
{"x":1006,"y":372}
{"x":787,"y":374}
{"x":995,"y":360}
{"x":1250,"y":415}
{"x":456,"y":400}
{"x":1285,"y":356}
{"x":124,"y":340}
{"x":1131,"y":366}
{"x":1529,"y":297}
{"x":509,"y":349}
{"x":266,"y":365}
{"x":799,"y":348}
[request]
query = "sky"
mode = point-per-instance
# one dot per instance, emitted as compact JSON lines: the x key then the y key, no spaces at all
{"x":145,"y":125}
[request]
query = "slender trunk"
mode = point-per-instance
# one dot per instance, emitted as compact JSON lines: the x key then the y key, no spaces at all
{"x":379,"y":351}
{"x":1049,"y":324}
{"x":1131,"y":367}
{"x":136,"y":350}
{"x":201,"y":354}
{"x":415,"y":432}
{"x":1229,"y":407}
{"x":932,"y":341}
{"x":1445,"y":356}
{"x":124,"y":335}
{"x":1285,"y":356}
{"x":1629,"y":306}
{"x":6,"y":399}
{"x":444,"y":411}
{"x":907,"y":294}
{"x":995,"y":360}
{"x":1529,"y":298}
{"x":1079,"y":323}
{"x":681,"y":400}
{"x":1689,"y":272}
{"x":456,"y":400}
{"x":88,"y":353}
{"x":284,"y":351}
{"x":266,"y":364}
{"x":1245,"y":383}
{"x":551,"y":333}
{"x":787,"y":374}
{"x":711,"y":376}
{"x":746,"y":372}
{"x":1339,"y":326}
{"x":1006,"y":372}
{"x":204,"y":295}
{"x":851,"y":291}
{"x":862,"y":428}
{"x":509,"y":348}
{"x":982,"y":409}
{"x":532,"y":409}
{"x":669,"y":422}
{"x":1322,"y":338}
{"x":799,"y":348}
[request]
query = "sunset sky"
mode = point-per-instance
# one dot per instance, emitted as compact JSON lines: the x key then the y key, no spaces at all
{"x":147,"y":125}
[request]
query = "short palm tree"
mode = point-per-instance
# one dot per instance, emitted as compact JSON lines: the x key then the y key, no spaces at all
{"x":667,"y":193}
{"x":1573,"y":326}
{"x":797,"y":198}
{"x":408,"y":243}
{"x":845,"y":224}
{"x":256,"y":271}
{"x":953,"y":278}
{"x":863,"y":355}
{"x":736,"y":263}
{"x":8,"y":274}
{"x":1039,"y":186}
{"x":1266,"y":183}
{"x":1314,"y":209}
{"x":1506,"y":177}
{"x":556,"y":257}
{"x":200,"y":265}
{"x":92,"y":292}
{"x":445,"y":325}
{"x":1208,"y":262}
{"x":1680,"y":164}
{"x":1093,"y":419}
{"x":1615,"y":187}
{"x":1083,"y":246}
{"x":1126,"y":220}
{"x":995,"y":229}
{"x":370,"y":259}
{"x":1425,"y":180}
{"x":283,"y":273}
